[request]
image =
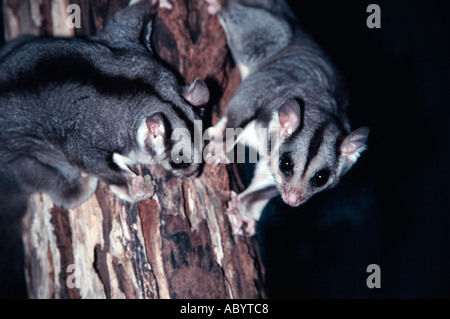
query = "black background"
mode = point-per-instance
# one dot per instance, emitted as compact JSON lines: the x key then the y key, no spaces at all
{"x":392,"y":208}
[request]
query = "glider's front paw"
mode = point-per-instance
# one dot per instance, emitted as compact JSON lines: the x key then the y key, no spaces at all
{"x":238,"y":219}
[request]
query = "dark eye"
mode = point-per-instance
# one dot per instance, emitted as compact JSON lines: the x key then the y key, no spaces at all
{"x":178,"y":162}
{"x":320,"y":178}
{"x":286,"y":165}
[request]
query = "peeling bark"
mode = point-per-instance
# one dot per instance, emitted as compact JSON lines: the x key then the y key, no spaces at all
{"x":177,"y":244}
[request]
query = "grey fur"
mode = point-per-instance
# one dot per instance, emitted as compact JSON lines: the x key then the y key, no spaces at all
{"x":279,"y":62}
{"x":68,"y":105}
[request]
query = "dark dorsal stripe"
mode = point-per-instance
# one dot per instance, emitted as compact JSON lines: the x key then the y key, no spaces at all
{"x":69,"y":69}
{"x":314,"y":145}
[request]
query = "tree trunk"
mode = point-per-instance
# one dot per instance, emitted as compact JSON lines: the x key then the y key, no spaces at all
{"x":177,"y":244}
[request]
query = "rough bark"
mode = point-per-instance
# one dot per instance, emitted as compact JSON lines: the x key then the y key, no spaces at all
{"x":177,"y":244}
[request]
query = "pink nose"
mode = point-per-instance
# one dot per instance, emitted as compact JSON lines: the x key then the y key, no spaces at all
{"x":293,"y":198}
